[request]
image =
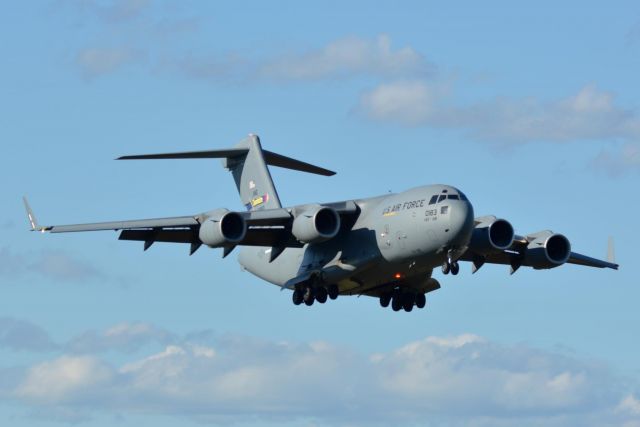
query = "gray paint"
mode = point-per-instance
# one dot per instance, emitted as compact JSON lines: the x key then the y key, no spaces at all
{"x":387,"y":242}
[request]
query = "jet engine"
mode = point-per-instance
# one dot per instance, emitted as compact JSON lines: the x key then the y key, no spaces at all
{"x":222,"y":227}
{"x":491,"y":235}
{"x":547,"y":250}
{"x":315,"y":224}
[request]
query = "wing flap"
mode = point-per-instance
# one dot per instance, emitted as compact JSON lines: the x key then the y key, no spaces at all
{"x":169,"y":236}
{"x":172,"y":222}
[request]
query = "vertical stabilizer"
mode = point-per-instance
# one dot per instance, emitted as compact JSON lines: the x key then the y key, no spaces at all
{"x":252,"y":177}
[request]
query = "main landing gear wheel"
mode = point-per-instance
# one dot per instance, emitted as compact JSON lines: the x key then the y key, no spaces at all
{"x":321,"y":295}
{"x":298,"y":296}
{"x":396,"y":302}
{"x":309,"y":296}
{"x":385,"y":299}
{"x":333,"y":291}
{"x":407,"y":302}
{"x":421,"y":300}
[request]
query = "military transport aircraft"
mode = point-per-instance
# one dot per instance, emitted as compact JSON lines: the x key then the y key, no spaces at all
{"x":384,"y":247}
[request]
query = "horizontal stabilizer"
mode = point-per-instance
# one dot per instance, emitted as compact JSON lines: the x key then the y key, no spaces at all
{"x":270,"y":158}
{"x":279,"y":160}
{"x":210,"y":154}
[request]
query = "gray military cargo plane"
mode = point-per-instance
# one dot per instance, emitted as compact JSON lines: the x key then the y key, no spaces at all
{"x":384,"y":247}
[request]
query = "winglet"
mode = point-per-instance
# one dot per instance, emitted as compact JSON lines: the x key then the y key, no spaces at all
{"x":611,"y":251}
{"x":32,"y":218}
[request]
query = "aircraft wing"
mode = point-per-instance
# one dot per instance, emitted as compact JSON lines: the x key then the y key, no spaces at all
{"x":515,"y":260}
{"x":268,"y":227}
{"x":541,"y":250}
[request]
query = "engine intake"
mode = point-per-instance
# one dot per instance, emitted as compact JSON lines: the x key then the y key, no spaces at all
{"x":491,"y":235}
{"x":315,"y":224}
{"x":547,"y":250}
{"x":222,"y":227}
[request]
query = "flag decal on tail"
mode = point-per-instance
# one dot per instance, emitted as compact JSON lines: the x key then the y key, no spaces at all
{"x":257,"y":201}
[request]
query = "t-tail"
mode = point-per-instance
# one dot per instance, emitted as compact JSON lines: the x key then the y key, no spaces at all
{"x":247,"y":162}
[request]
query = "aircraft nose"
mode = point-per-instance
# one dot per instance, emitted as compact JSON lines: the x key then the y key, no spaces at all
{"x":461,"y":223}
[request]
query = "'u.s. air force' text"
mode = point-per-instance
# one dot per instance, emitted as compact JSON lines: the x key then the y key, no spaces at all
{"x":411,"y":204}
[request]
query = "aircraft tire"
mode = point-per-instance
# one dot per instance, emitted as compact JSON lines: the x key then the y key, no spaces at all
{"x":297,"y":297}
{"x":333,"y":291}
{"x":321,"y":295}
{"x":396,"y":302}
{"x":309,"y":296}
{"x":407,"y":301}
{"x":446,"y":267}
{"x":385,"y":299}
{"x":455,"y":268}
{"x":421,"y":300}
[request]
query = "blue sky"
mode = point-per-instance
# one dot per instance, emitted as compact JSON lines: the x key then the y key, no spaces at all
{"x":531,"y":110}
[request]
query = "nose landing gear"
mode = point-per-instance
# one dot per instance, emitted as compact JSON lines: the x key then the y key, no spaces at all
{"x":450,"y":266}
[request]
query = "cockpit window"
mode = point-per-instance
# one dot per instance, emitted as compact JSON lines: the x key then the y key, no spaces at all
{"x":453,"y":197}
{"x":442,"y":197}
{"x":445,"y":190}
{"x":433,"y":200}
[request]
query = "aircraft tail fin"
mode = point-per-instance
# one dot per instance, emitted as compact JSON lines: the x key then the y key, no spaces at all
{"x":247,"y":162}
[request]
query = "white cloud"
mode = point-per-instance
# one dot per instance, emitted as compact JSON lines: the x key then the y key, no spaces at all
{"x":630,"y":405}
{"x":64,"y":378}
{"x":126,"y":337}
{"x":455,"y":380}
{"x":347,"y":57}
{"x":589,"y":114}
{"x":406,"y":102}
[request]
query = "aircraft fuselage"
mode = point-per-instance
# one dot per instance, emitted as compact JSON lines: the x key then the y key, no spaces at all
{"x":396,"y":237}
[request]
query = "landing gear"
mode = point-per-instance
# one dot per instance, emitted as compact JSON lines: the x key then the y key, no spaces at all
{"x":421,"y":300}
{"x":455,"y":267}
{"x":309,"y":293}
{"x":297,"y":297}
{"x":385,"y":299}
{"x":333,"y":291}
{"x":407,"y":302}
{"x":446,"y":267}
{"x":309,"y":296}
{"x":396,"y":301}
{"x":321,"y":295}
{"x":403,"y":300}
{"x":450,"y":266}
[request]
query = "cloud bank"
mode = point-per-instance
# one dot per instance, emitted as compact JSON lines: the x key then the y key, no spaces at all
{"x":589,"y":114}
{"x":457,"y":380}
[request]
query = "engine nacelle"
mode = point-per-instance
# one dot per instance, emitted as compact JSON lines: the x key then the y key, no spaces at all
{"x":491,"y":235}
{"x":221,"y":228}
{"x":315,"y":223}
{"x":547,"y":250}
